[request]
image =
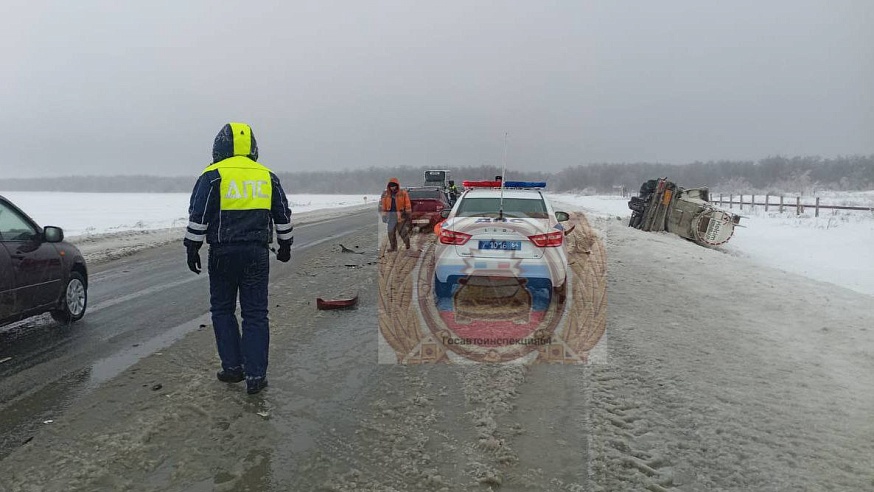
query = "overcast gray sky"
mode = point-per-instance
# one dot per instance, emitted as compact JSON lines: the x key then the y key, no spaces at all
{"x":106,"y":87}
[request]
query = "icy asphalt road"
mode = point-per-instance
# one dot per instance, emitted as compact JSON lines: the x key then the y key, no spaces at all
{"x":137,"y":306}
{"x":720,"y":375}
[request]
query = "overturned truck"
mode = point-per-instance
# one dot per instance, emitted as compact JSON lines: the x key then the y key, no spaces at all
{"x":661,"y":205}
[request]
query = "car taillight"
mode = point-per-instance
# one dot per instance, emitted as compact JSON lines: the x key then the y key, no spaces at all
{"x":548,"y":240}
{"x":452,"y":237}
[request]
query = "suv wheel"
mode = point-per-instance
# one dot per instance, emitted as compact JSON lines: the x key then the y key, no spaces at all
{"x":74,"y":301}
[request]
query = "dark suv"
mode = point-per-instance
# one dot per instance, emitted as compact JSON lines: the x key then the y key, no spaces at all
{"x":39,"y":272}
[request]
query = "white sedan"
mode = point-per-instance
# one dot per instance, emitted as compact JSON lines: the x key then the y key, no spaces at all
{"x":514,"y":234}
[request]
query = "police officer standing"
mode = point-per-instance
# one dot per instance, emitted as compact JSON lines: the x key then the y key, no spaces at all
{"x":235,"y":204}
{"x":453,"y":192}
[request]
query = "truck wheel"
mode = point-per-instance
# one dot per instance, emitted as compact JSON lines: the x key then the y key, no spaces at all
{"x":74,"y":300}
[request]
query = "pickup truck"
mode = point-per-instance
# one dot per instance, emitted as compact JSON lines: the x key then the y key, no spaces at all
{"x":428,"y":202}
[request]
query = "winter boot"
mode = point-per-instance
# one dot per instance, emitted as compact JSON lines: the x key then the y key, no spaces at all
{"x":255,"y":385}
{"x":230,"y":376}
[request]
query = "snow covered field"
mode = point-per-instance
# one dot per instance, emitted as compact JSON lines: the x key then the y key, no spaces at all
{"x":836,"y":247}
{"x":81,"y":214}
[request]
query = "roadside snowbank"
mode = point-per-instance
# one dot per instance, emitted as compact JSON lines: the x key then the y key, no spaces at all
{"x":593,"y":205}
{"x":838,"y":249}
{"x":100,"y":248}
{"x":835,"y":247}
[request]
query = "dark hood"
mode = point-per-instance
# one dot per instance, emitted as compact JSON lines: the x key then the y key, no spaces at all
{"x":234,"y":139}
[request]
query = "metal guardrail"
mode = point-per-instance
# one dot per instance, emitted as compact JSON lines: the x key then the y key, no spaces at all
{"x":799,"y":207}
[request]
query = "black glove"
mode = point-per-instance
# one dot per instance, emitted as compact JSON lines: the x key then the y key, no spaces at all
{"x":194,"y":258}
{"x":284,"y":253}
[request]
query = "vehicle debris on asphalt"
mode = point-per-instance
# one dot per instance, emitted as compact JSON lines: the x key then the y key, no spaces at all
{"x":340,"y":303}
{"x":344,"y":249}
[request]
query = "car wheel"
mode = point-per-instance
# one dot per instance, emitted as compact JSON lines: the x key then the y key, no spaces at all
{"x":74,"y":300}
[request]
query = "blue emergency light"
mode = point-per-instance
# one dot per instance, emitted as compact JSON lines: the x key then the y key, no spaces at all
{"x":524,"y":184}
{"x":507,"y":184}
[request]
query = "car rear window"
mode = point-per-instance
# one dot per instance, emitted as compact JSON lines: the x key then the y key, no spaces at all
{"x":513,"y":207}
{"x":425,"y":194}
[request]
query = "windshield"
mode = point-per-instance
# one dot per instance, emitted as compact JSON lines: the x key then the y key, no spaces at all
{"x":513,"y":207}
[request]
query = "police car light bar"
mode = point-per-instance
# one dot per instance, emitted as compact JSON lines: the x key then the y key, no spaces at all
{"x":481,"y":184}
{"x":507,"y":184}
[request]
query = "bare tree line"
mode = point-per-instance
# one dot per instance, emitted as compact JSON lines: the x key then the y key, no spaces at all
{"x":772,"y":174}
{"x":776,"y":173}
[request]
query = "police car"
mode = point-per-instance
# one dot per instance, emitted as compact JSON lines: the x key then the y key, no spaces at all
{"x":502,"y":231}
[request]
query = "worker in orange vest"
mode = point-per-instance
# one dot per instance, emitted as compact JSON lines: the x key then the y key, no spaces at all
{"x":395,"y":209}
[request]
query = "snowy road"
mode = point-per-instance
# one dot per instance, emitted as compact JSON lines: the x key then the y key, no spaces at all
{"x":136,"y":305}
{"x":721,"y":374}
{"x":726,"y":375}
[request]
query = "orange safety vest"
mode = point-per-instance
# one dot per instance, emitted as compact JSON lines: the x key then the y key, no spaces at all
{"x":402,"y":201}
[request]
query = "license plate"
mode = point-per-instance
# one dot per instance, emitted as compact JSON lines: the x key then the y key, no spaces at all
{"x":501,"y":245}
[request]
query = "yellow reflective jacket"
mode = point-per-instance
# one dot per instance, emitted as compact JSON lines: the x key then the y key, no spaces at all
{"x":236,"y":199}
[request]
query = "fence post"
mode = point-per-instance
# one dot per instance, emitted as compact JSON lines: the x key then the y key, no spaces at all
{"x":731,"y":200}
{"x":797,"y":205}
{"x":767,"y":199}
{"x":817,"y":207}
{"x":752,"y":202}
{"x":720,"y":198}
{"x":781,"y":204}
{"x":741,"y":201}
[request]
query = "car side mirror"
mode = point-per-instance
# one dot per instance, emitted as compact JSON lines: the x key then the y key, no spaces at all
{"x":445,"y":213}
{"x":53,"y":234}
{"x":562,"y":216}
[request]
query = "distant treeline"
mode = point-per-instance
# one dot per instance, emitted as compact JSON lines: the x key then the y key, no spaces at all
{"x":798,"y":174}
{"x":795,"y":174}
